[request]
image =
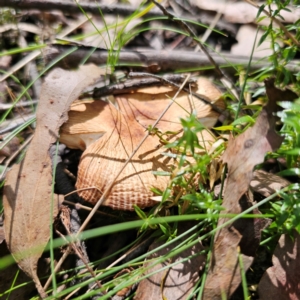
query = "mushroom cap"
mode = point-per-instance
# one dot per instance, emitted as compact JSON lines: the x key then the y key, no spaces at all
{"x":108,"y":134}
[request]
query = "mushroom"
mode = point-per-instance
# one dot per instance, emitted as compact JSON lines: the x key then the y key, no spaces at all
{"x":108,"y":134}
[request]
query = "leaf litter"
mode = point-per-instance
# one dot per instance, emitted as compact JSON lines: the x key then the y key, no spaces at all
{"x":243,"y":236}
{"x":28,"y":203}
{"x":282,"y":280}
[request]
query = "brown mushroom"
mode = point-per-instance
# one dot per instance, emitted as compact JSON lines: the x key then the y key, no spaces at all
{"x":108,"y":135}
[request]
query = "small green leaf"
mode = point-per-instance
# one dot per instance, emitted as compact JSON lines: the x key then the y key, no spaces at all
{"x":164,"y":229}
{"x":295,"y":151}
{"x":260,"y":19}
{"x":140,"y":213}
{"x":290,"y":172}
{"x":166,"y":194}
{"x":224,"y":128}
{"x":261,"y":8}
{"x":289,"y":53}
{"x":156,"y":191}
{"x":243,"y":120}
{"x":263,"y":37}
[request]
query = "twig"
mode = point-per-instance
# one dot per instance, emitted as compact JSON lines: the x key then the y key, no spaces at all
{"x":73,"y":8}
{"x":209,"y":30}
{"x":79,"y":206}
{"x":32,"y":71}
{"x":133,"y":84}
{"x":169,"y":82}
{"x":20,"y":64}
{"x":31,"y":56}
{"x":111,"y":9}
{"x":5,"y":106}
{"x":164,"y":60}
{"x":57,"y":267}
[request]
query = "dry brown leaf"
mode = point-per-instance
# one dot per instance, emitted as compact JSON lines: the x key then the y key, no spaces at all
{"x":282,"y":280}
{"x":28,"y":188}
{"x":121,"y":129}
{"x":176,"y":282}
{"x":241,"y":156}
{"x":2,"y":237}
{"x":267,"y":183}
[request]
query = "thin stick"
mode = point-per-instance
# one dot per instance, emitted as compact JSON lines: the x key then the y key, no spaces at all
{"x":20,"y":64}
{"x":168,"y":61}
{"x":203,"y":98}
{"x":132,"y":84}
{"x":5,"y":106}
{"x":87,"y":208}
{"x":209,"y":30}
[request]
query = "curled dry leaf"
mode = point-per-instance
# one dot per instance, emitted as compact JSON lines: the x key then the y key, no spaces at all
{"x":282,"y":280}
{"x":109,"y":134}
{"x":241,"y":155}
{"x":28,"y":189}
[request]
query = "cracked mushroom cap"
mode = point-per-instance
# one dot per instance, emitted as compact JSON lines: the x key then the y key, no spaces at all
{"x":109,"y":133}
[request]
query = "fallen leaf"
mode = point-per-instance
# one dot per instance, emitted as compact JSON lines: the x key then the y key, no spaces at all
{"x":109,"y":134}
{"x":242,"y":155}
{"x":175,"y":282}
{"x":266,"y":183}
{"x":282,"y":280}
{"x":28,"y":188}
